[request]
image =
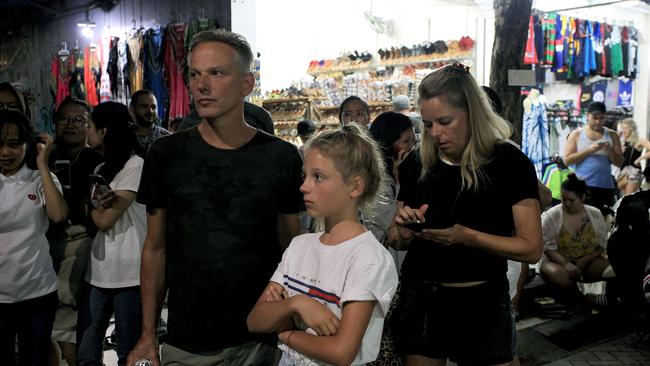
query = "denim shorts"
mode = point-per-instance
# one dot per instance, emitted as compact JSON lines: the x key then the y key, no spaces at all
{"x":468,"y":325}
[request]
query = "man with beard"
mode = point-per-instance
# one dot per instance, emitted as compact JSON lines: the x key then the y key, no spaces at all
{"x":143,"y":107}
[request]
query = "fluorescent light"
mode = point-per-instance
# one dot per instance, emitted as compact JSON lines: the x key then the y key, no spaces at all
{"x":86,"y":23}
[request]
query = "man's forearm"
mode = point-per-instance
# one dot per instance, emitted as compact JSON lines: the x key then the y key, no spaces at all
{"x":152,"y":289}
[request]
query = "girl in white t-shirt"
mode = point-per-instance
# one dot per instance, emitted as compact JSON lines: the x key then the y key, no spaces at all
{"x":114,"y":265}
{"x":329,"y":296}
{"x":29,"y":195}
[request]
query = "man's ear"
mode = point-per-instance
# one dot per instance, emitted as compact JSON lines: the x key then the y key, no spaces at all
{"x":358,"y":186}
{"x":248,"y":83}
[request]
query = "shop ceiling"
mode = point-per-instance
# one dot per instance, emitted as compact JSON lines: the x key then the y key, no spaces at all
{"x":16,"y":13}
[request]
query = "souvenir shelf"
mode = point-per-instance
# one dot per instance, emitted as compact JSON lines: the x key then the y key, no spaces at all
{"x":287,"y":112}
{"x":330,"y":114}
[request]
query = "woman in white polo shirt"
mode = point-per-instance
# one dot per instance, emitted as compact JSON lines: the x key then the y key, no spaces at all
{"x":114,"y":266}
{"x":29,"y":195}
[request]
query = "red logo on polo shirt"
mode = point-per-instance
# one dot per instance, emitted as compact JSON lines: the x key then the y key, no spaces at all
{"x":32,"y":196}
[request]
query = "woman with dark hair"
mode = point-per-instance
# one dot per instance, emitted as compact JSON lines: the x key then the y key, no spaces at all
{"x":29,"y":195}
{"x":114,"y":265}
{"x":395,"y":136}
{"x":575,"y":235}
{"x":354,"y":109}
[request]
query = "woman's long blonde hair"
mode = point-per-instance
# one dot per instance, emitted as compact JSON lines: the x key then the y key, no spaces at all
{"x":486,"y":129}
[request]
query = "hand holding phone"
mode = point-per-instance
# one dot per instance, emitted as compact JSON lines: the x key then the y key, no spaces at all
{"x":414,"y":225}
{"x":99,"y":187}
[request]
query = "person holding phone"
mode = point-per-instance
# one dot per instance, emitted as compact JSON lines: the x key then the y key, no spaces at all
{"x":72,"y":161}
{"x":591,"y":151}
{"x":114,"y":266}
{"x":465,"y":161}
{"x":29,"y":195}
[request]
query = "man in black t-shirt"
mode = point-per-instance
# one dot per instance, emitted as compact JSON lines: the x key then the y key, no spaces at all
{"x":222,"y":202}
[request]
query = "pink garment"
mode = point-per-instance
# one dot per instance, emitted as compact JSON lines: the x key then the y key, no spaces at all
{"x":175,"y":60}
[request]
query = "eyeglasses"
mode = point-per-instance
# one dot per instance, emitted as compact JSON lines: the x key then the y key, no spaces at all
{"x":75,"y":121}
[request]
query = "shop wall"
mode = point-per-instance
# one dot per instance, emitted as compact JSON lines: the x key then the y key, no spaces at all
{"x":44,"y":40}
{"x":290,"y":33}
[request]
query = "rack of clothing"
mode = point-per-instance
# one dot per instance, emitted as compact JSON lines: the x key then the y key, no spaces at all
{"x":574,"y":48}
{"x":113,"y":68}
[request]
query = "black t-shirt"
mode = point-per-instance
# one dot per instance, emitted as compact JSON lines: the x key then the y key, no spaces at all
{"x":221,"y":244}
{"x":507,"y":178}
{"x":76,"y":186}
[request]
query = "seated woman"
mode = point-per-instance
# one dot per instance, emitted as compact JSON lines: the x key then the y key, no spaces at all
{"x":630,"y":177}
{"x":574,"y":238}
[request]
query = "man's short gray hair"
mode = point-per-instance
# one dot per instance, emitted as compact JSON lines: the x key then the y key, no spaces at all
{"x":234,"y":40}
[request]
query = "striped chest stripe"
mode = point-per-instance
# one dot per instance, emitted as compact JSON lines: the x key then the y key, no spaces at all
{"x":311,"y":291}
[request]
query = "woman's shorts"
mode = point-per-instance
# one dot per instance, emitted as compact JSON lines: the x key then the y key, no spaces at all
{"x":633,"y":174}
{"x":468,"y":325}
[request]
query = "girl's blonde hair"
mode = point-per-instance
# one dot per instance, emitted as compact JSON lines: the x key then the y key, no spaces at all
{"x":354,"y":153}
{"x":634,"y":136}
{"x":486,"y":129}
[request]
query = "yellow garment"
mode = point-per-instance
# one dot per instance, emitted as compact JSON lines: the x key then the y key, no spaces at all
{"x":136,"y":79}
{"x":575,"y":246}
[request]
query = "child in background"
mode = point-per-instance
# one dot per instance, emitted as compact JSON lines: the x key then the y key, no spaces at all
{"x":331,"y":292}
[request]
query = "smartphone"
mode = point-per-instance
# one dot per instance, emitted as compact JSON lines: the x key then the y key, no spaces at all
{"x":414,"y":225}
{"x":62,"y":171}
{"x":99,"y":186}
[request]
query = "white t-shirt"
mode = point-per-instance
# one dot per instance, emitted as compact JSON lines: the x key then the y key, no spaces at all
{"x":26,"y":270}
{"x":115,"y":256}
{"x":359,"y":269}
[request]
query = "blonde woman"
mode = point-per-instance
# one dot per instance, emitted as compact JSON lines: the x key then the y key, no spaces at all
{"x":476,"y":195}
{"x":630,"y":178}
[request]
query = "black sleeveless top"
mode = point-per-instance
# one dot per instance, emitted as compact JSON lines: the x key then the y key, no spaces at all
{"x":630,"y":154}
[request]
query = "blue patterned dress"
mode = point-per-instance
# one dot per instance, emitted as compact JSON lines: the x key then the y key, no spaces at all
{"x":535,"y":137}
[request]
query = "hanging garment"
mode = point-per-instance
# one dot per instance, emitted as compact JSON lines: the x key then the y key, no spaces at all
{"x":548,"y":25}
{"x":136,"y":43}
{"x":540,"y":49}
{"x":198,"y":26}
{"x":617,"y":51}
{"x":572,"y":47}
{"x":624,"y":93}
{"x":625,"y":48}
{"x":90,"y":59}
{"x":104,"y":78}
{"x":175,"y":62}
{"x":123,"y":73}
{"x":599,"y":91}
{"x":62,"y":72}
{"x":579,"y":56}
{"x":597,"y":43}
{"x":590,"y":57}
{"x":607,"y":46}
{"x":530,"y":56}
{"x":634,"y":47}
{"x":535,"y":137}
{"x":559,"y":43}
{"x":77,"y":89}
{"x":554,"y":176}
{"x":113,"y":69}
{"x":153,"y":68}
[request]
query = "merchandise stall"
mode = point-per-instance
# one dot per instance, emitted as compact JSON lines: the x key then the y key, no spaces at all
{"x":580,"y":57}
